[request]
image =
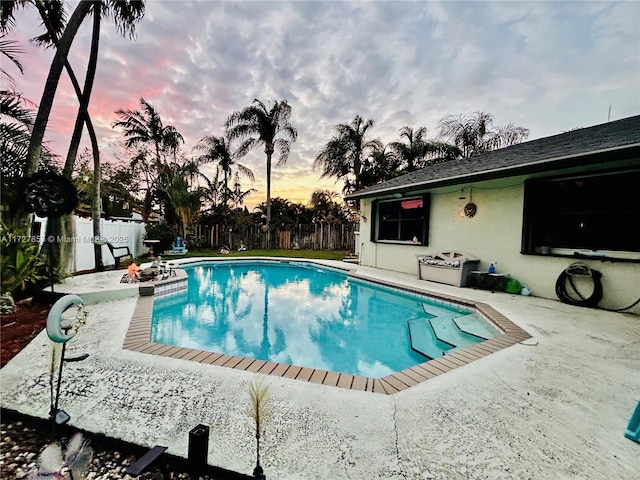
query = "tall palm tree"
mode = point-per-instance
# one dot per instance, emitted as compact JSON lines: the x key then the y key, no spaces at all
{"x":60,"y":34}
{"x":257,"y":125}
{"x":216,"y":149}
{"x":144,"y":128}
{"x":344,"y":156}
{"x":475,"y":134}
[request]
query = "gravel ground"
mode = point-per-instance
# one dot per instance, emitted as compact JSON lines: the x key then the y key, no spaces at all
{"x":23,"y":438}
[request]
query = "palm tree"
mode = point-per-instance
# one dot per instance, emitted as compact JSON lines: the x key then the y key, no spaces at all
{"x":125,"y":15}
{"x":237,"y":195}
{"x":256,"y":125}
{"x":413,"y":150}
{"x":135,"y":11}
{"x":475,"y":134}
{"x":216,"y":149}
{"x":344,"y":156}
{"x":144,"y":128}
{"x":185,"y":200}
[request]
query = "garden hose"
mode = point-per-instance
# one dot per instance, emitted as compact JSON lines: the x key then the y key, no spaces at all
{"x":582,"y":270}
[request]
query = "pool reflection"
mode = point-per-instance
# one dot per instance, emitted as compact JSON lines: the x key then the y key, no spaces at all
{"x":291,"y":313}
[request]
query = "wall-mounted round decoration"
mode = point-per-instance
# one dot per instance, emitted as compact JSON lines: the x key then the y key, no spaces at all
{"x":470,"y":210}
{"x":50,"y":195}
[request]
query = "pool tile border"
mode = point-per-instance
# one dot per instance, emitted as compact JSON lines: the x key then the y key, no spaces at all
{"x":138,"y":339}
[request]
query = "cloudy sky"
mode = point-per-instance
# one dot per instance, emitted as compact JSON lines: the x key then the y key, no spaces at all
{"x":549,"y":66}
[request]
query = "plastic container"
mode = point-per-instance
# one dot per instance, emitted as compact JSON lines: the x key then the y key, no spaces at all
{"x":513,"y":286}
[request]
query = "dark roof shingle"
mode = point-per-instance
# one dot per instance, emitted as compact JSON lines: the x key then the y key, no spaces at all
{"x":576,"y":147}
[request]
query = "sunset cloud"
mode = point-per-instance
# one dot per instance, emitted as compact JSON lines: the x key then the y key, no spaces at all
{"x":548,"y":66}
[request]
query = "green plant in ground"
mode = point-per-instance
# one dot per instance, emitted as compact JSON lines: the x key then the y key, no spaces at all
{"x":21,"y":264}
{"x":259,"y":397}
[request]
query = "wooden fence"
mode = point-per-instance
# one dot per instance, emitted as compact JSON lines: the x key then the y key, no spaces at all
{"x":312,"y":237}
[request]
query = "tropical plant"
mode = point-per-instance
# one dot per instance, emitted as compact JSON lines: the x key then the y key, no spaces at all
{"x":413,"y":150}
{"x":475,"y":134}
{"x":237,"y":194}
{"x":257,"y":125}
{"x":72,"y":460}
{"x":125,"y":15}
{"x":345,"y":155}
{"x":216,"y":149}
{"x":21,"y":264}
{"x":259,"y":398}
{"x":176,"y":184}
{"x":144,"y":129}
{"x":60,"y":34}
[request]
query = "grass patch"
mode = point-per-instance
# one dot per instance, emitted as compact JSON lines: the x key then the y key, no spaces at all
{"x":312,"y":254}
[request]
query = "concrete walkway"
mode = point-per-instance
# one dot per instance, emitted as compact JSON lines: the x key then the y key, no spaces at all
{"x":555,"y":408}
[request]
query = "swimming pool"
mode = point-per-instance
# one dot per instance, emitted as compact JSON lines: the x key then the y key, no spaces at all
{"x":300,"y":313}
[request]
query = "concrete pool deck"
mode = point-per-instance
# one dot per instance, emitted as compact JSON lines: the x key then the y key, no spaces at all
{"x":553,"y":408}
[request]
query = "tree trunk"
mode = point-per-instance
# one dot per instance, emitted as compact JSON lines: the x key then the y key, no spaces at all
{"x":82,"y":117}
{"x":51,"y":85}
{"x":268,"y":242}
{"x":96,"y":200}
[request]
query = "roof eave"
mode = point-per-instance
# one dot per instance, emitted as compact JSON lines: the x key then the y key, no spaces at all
{"x":555,"y":163}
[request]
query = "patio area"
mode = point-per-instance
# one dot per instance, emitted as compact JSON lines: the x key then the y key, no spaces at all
{"x":553,"y":407}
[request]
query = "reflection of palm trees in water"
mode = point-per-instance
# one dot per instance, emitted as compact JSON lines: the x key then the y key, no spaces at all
{"x":265,"y":346}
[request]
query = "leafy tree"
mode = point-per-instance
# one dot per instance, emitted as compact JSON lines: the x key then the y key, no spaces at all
{"x":257,"y":125}
{"x":475,"y":134}
{"x":344,"y":156}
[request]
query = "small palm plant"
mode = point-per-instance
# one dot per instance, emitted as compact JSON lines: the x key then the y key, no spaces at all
{"x":259,"y":396}
{"x":70,"y":461}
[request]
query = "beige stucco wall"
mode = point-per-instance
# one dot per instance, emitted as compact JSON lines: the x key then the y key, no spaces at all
{"x":494,"y":234}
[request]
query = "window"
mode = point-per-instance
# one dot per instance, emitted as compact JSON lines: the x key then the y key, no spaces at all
{"x":597,"y":212}
{"x":402,"y":220}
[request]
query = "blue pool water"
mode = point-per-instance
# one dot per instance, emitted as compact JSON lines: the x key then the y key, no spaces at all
{"x":302,"y":314}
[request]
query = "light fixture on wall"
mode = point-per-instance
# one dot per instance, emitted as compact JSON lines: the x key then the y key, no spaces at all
{"x":468,"y":210}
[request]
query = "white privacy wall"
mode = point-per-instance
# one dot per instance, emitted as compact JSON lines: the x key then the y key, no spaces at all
{"x":119,"y":233}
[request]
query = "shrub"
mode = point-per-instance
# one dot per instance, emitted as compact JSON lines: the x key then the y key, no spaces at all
{"x":163,"y":232}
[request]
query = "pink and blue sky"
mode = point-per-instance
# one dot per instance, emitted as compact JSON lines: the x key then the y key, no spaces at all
{"x":549,"y":66}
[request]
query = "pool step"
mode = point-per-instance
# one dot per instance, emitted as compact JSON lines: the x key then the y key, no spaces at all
{"x":423,"y":339}
{"x":447,"y":331}
{"x":481,"y":329}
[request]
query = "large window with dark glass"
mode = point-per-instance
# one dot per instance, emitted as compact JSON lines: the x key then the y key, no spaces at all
{"x":595,"y":212}
{"x":403,"y":220}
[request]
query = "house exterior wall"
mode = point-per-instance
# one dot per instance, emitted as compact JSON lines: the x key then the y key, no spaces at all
{"x":493,"y":234}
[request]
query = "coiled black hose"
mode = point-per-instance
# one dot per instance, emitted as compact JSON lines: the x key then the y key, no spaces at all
{"x":582,"y":270}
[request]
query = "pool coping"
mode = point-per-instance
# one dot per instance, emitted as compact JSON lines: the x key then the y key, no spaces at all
{"x":138,"y":339}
